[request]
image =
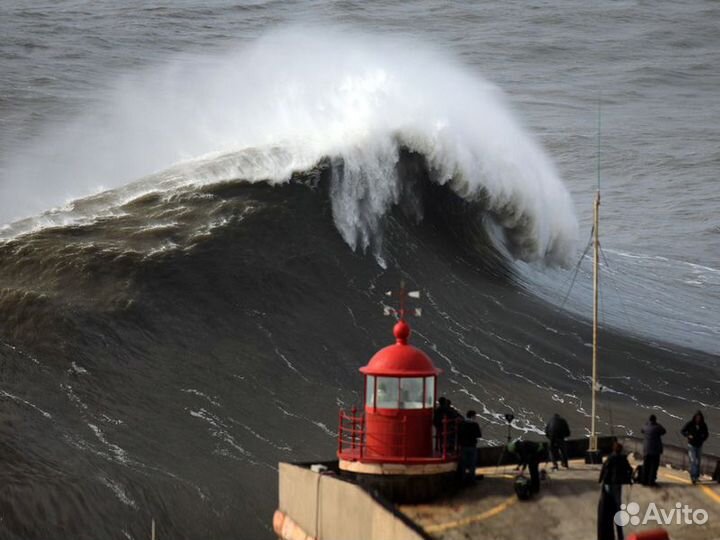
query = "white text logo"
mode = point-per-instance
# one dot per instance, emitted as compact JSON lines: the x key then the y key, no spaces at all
{"x":679,"y":515}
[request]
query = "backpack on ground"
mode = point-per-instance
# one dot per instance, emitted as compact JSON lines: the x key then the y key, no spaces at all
{"x":522,"y":488}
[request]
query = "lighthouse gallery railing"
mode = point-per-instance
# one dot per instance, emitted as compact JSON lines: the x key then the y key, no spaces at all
{"x":353,"y":444}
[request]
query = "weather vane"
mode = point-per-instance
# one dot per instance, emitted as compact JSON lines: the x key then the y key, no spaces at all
{"x":401,"y":311}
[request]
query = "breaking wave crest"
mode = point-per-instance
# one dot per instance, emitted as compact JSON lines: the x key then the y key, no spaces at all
{"x":301,"y":96}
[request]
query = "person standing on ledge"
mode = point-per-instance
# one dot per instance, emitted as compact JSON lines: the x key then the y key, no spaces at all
{"x":696,"y":433}
{"x":468,"y":434}
{"x":557,"y":430}
{"x":652,"y":450}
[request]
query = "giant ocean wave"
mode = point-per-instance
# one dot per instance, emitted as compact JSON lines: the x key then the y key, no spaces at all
{"x":166,"y":342}
{"x":297,"y":97}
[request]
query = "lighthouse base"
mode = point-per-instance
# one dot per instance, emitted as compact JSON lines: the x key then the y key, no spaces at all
{"x":403,"y":483}
{"x":406,"y":469}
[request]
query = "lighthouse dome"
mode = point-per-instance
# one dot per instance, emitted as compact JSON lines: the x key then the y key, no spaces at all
{"x":400,"y":359}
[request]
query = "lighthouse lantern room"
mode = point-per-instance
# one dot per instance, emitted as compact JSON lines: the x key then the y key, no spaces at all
{"x":396,"y":423}
{"x":400,"y":383}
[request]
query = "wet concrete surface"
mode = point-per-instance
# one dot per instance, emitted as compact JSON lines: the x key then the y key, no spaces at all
{"x":565,"y":509}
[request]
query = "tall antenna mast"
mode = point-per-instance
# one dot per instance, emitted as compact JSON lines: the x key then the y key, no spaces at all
{"x":596,"y":278}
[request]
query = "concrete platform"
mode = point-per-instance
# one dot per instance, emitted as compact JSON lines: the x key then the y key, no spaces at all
{"x":566,"y":508}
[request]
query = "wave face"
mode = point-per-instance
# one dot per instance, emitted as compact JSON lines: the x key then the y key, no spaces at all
{"x":159,"y":361}
{"x":301,"y":95}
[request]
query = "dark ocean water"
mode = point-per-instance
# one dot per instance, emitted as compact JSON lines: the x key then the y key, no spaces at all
{"x":260,"y":173}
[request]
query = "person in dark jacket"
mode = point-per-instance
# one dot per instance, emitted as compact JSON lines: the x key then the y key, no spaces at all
{"x":438,"y":414}
{"x":530,"y":454}
{"x":557,"y":430}
{"x":445,"y":415}
{"x":615,"y":472}
{"x":696,"y":433}
{"x":468,"y":434}
{"x":652,"y":450}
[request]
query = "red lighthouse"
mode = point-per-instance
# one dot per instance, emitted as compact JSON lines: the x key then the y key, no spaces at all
{"x":400,"y":383}
{"x":392,"y":437}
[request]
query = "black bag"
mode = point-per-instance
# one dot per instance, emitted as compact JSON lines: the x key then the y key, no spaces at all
{"x":716,"y":474}
{"x":627,"y":474}
{"x":638,"y":476}
{"x":522,"y":488}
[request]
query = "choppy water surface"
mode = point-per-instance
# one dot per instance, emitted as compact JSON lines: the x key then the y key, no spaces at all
{"x":203,"y":203}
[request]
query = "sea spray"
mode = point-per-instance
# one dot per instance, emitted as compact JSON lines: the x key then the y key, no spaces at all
{"x":292,"y":98}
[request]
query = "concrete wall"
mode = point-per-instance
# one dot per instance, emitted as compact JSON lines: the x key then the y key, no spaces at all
{"x":677,"y":456}
{"x":329,"y":508}
{"x":491,"y":456}
{"x":673,"y":455}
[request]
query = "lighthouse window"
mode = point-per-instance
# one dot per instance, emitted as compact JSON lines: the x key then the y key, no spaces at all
{"x":429,"y":392}
{"x":370,"y":391}
{"x":387,"y":392}
{"x":411,"y":393}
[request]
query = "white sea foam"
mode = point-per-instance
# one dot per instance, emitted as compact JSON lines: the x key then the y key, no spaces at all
{"x":294,"y":96}
{"x":211,"y":400}
{"x":17,"y":399}
{"x":118,"y":490}
{"x":78,"y":369}
{"x":219,"y":430}
{"x":118,"y":453}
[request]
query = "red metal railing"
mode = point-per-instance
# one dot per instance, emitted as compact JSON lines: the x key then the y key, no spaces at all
{"x":351,"y":433}
{"x":353,"y":442}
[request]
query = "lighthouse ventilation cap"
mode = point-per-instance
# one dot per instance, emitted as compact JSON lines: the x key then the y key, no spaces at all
{"x":402,"y":332}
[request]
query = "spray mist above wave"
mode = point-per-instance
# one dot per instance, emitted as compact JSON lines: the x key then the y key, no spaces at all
{"x":296,"y":96}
